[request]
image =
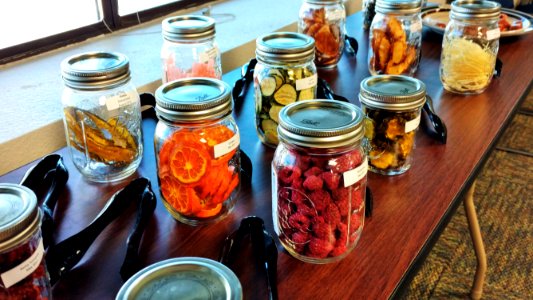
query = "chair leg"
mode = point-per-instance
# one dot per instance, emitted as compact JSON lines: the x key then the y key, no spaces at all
{"x":479,"y":248}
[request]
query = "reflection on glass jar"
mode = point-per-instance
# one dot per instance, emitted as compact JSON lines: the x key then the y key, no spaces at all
{"x":392,"y":107}
{"x":319,"y":180}
{"x":369,"y":11}
{"x":22,"y":264}
{"x":285,"y":73}
{"x":470,"y":46}
{"x":324,"y":21}
{"x":102,"y":115}
{"x":197,"y":149}
{"x":189,"y":48}
{"x":395,"y":38}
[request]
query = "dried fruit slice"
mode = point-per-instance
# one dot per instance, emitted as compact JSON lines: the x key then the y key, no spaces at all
{"x":209,"y":212}
{"x":188,"y":164}
{"x":285,"y":95}
{"x":268,"y":86}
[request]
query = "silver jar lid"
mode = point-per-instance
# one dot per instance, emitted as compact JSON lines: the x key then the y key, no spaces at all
{"x":320,"y":124}
{"x":19,"y":215}
{"x":285,"y":47}
{"x":398,"y":6}
{"x":95,"y":70}
{"x":475,"y":10}
{"x":392,"y":92}
{"x":188,"y":27}
{"x":193,"y":99}
{"x":323,"y":1}
{"x":183,"y":278}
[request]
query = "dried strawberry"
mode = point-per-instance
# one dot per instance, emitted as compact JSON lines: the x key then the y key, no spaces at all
{"x":313,"y":183}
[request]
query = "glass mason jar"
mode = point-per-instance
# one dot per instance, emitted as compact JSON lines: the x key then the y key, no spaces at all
{"x":22,"y":264}
{"x":285,"y":73}
{"x":392,"y":105}
{"x":324,"y":21}
{"x":197,"y":149}
{"x":395,"y":38}
{"x":102,"y":115}
{"x":369,"y":11}
{"x":470,"y":46}
{"x":189,"y":48}
{"x":319,"y":180}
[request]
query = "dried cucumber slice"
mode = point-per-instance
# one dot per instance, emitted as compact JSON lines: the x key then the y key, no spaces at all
{"x":306,"y":94}
{"x":274,"y":112}
{"x":270,"y":129}
{"x":285,"y":95}
{"x":268,"y":86}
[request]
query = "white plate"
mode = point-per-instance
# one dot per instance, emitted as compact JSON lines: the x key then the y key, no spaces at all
{"x":437,"y":18}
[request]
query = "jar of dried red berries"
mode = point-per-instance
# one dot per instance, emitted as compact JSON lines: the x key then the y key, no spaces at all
{"x":197,"y":149}
{"x":23,"y":272}
{"x":319,"y":180}
{"x":324,"y":21}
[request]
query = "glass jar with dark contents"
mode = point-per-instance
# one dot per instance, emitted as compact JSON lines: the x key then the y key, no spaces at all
{"x":392,"y":105}
{"x":197,"y":149}
{"x":22,"y":265}
{"x":319,"y":180}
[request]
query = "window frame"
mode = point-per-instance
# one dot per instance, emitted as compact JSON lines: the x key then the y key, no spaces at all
{"x":110,"y":20}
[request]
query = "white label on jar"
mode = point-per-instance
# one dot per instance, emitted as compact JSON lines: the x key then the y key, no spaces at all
{"x":274,"y":199}
{"x":335,"y":15}
{"x":227,"y":146}
{"x":24,"y":269}
{"x":412,"y":125}
{"x":493,"y":34}
{"x":353,"y":176}
{"x":415,"y":27}
{"x":208,"y":55}
{"x":120,"y":99}
{"x":305,"y":83}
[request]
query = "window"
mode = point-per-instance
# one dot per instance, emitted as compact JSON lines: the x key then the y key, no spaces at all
{"x":30,"y":27}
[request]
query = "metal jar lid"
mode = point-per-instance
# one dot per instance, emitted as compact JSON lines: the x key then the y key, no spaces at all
{"x":320,"y":124}
{"x":475,"y":10}
{"x":183,"y":278}
{"x":323,"y":1}
{"x":285,"y":47}
{"x":193,"y":99}
{"x":392,"y":92}
{"x":95,"y":70}
{"x":398,"y":6}
{"x":188,"y":27}
{"x":20,"y":217}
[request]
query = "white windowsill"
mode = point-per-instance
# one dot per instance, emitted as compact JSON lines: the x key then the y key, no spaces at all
{"x":31,"y":89}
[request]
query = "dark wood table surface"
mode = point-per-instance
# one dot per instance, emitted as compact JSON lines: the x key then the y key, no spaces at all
{"x":410,"y":210}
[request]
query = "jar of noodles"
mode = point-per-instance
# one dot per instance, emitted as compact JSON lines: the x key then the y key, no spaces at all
{"x":395,"y":38}
{"x":189,"y":48}
{"x":285,"y":73}
{"x":392,"y":105}
{"x":319,"y":174}
{"x":470,"y":46}
{"x":324,"y":21}
{"x":197,"y":149}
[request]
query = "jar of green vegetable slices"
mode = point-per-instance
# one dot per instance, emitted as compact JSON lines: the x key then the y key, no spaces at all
{"x":285,"y":73}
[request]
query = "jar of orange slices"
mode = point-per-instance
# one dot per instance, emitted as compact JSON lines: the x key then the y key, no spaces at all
{"x":197,"y":149}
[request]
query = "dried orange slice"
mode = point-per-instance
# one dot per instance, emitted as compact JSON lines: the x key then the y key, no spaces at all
{"x":188,"y":164}
{"x":175,"y":194}
{"x":209,"y":212}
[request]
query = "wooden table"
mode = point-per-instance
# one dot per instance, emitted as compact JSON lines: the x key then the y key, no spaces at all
{"x":410,"y":210}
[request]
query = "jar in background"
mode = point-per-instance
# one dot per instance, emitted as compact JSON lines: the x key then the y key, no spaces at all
{"x":197,"y":149}
{"x":369,"y":11}
{"x":324,"y":21}
{"x":285,"y":73}
{"x":319,"y":180}
{"x":395,"y":38}
{"x":183,"y":278}
{"x":470,"y":46}
{"x":189,"y":48}
{"x":102,"y":115}
{"x":22,"y":266}
{"x":392,"y":106}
